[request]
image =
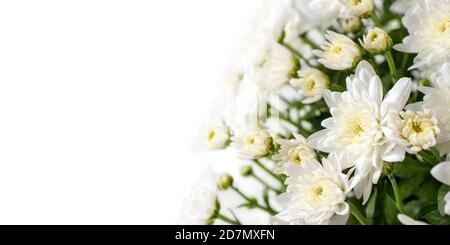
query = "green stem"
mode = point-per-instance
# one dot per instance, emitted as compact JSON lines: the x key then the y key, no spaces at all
{"x":228,"y":220}
{"x":286,"y":119}
{"x":357,"y":214}
{"x":254,"y":202}
{"x":309,"y":42}
{"x":265,"y":169}
{"x":398,"y":199}
{"x":264,"y":183}
{"x":296,"y":53}
{"x":336,"y":87}
{"x":427,"y":158}
{"x":376,"y":20}
{"x":374,"y":64}
{"x":405,"y":59}
{"x":391,"y":63}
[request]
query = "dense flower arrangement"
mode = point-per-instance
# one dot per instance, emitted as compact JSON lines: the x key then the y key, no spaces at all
{"x":345,"y":104}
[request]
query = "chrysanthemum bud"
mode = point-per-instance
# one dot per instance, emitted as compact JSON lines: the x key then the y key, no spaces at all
{"x":361,"y":8}
{"x":377,"y":41}
{"x":246,"y":170}
{"x":225,"y":182}
{"x":311,"y":84}
{"x":339,"y":52}
{"x":351,"y":24}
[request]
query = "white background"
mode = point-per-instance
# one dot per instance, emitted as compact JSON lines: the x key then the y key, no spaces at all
{"x":99,"y":101}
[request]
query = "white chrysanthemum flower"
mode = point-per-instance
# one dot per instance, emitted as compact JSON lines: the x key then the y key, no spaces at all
{"x":275,"y":18}
{"x":441,"y":172}
{"x":437,"y":101}
{"x":361,"y":8}
{"x":287,"y":23}
{"x":200,"y":207}
{"x":428,"y":24}
{"x":315,"y":193}
{"x":311,"y":84}
{"x":271,"y":65}
{"x":293,"y":151}
{"x":252,"y":142}
{"x":339,"y":52}
{"x":406,"y":220}
{"x":416,"y":131}
{"x":351,"y":24}
{"x":377,"y":41}
{"x":401,"y":6}
{"x":216,"y":136}
{"x":356,"y":129}
{"x":319,"y":13}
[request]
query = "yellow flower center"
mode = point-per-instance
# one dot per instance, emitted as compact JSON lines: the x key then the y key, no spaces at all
{"x":416,"y":126}
{"x":310,"y":83}
{"x":443,"y":26}
{"x":295,"y":158}
{"x":317,"y":192}
{"x":355,"y":2}
{"x":335,"y":49}
{"x":211,"y":135}
{"x":355,"y":126}
{"x":250,"y":140}
{"x":373,"y":36}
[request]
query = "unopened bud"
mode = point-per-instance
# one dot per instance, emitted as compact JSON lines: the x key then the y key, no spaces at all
{"x":377,"y":41}
{"x":351,"y":24}
{"x":246,"y":170}
{"x":361,"y":8}
{"x":225,"y":182}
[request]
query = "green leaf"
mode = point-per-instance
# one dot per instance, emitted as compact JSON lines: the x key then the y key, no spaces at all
{"x":408,"y":186}
{"x":435,"y":218}
{"x":370,"y":209}
{"x":266,"y":197}
{"x":409,"y":168}
{"x":440,"y":198}
{"x":390,"y":211}
{"x":413,"y":208}
{"x":428,"y":191}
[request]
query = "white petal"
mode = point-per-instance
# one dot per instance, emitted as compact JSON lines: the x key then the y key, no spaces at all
{"x":442,"y":172}
{"x":376,"y":89}
{"x":397,"y":154}
{"x":406,"y":220}
{"x":447,"y":197}
{"x":364,"y":71}
{"x":332,"y":99}
{"x":339,"y":219}
{"x":342,"y":209}
{"x":397,"y":97}
{"x":315,"y":139}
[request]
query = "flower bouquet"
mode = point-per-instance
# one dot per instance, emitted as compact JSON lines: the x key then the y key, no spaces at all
{"x":340,"y":111}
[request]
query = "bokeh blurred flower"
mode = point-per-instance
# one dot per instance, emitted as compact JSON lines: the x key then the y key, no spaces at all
{"x":201,"y":206}
{"x":215,"y":136}
{"x":270,"y":65}
{"x":252,"y":142}
{"x":361,"y":8}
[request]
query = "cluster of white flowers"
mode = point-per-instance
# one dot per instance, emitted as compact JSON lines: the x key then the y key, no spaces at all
{"x":351,"y":109}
